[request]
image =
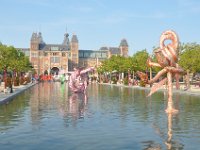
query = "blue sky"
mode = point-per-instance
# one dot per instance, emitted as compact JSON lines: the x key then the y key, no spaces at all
{"x":99,"y":23}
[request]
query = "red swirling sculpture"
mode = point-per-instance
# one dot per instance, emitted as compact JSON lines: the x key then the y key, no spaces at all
{"x":167,"y":57}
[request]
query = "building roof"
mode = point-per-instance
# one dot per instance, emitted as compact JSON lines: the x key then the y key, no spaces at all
{"x":114,"y":50}
{"x":34,"y":36}
{"x":37,"y":37}
{"x":124,"y":43}
{"x":54,"y":47}
{"x":40,"y":39}
{"x":104,"y":48}
{"x":74,"y":39}
{"x":66,"y":41}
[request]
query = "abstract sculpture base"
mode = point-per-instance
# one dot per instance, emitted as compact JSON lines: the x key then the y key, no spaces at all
{"x":171,"y":111}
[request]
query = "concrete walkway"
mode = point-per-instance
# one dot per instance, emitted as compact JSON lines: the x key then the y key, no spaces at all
{"x":6,"y":97}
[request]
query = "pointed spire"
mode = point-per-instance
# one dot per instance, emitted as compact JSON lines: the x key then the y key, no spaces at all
{"x":40,"y":39}
{"x":66,"y":39}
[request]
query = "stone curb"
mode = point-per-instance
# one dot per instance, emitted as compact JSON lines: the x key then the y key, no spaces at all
{"x":188,"y":92}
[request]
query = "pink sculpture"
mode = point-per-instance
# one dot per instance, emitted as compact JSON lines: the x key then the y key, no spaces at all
{"x":79,"y":79}
{"x":167,"y":57}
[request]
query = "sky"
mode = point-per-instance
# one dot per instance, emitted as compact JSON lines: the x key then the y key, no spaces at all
{"x":99,"y":23}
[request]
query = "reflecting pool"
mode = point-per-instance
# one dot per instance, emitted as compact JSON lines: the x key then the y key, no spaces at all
{"x":49,"y":116}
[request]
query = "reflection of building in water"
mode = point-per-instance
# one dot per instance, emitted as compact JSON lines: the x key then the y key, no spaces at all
{"x":67,"y":55}
{"x":44,"y":96}
{"x":40,"y":100}
{"x":53,"y":95}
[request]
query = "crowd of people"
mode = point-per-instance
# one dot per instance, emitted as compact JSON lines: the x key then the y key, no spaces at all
{"x":51,"y":77}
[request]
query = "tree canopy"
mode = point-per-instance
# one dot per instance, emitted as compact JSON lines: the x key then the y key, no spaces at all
{"x":190,"y":57}
{"x":123,"y":64}
{"x":11,"y":58}
{"x":140,"y":59}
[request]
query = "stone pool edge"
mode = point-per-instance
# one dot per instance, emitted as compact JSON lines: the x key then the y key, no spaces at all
{"x":192,"y":91}
{"x":7,"y":97}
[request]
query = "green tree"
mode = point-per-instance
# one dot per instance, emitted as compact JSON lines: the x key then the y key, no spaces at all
{"x":5,"y":56}
{"x":190,"y":57}
{"x":139,"y":59}
{"x":13,"y":60}
{"x":117,"y":63}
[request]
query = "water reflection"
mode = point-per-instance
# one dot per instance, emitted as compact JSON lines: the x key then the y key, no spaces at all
{"x":74,"y":106}
{"x":151,"y":145}
{"x":172,"y":143}
{"x":169,"y":133}
{"x":112,"y":118}
{"x":12,"y":113}
{"x":73,"y":109}
{"x":47,"y":96}
{"x":77,"y":104}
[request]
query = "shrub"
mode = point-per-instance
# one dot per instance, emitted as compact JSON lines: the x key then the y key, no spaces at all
{"x":16,"y":81}
{"x":114,"y":80}
{"x":142,"y":83}
{"x":126,"y":81}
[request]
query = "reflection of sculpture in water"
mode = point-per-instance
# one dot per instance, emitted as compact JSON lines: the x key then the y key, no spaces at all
{"x":79,"y":80}
{"x":74,"y":107}
{"x":167,"y":57}
{"x":77,"y":101}
{"x":170,"y":142}
{"x":77,"y":104}
{"x":169,"y":133}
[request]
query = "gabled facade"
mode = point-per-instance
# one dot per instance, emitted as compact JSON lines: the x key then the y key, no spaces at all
{"x":66,"y":56}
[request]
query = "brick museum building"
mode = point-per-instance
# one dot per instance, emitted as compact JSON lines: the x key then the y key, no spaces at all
{"x":52,"y":58}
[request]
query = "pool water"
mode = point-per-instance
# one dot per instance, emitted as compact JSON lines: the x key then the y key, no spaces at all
{"x":48,"y":116}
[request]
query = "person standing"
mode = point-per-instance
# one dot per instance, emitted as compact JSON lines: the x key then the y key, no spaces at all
{"x":9,"y":82}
